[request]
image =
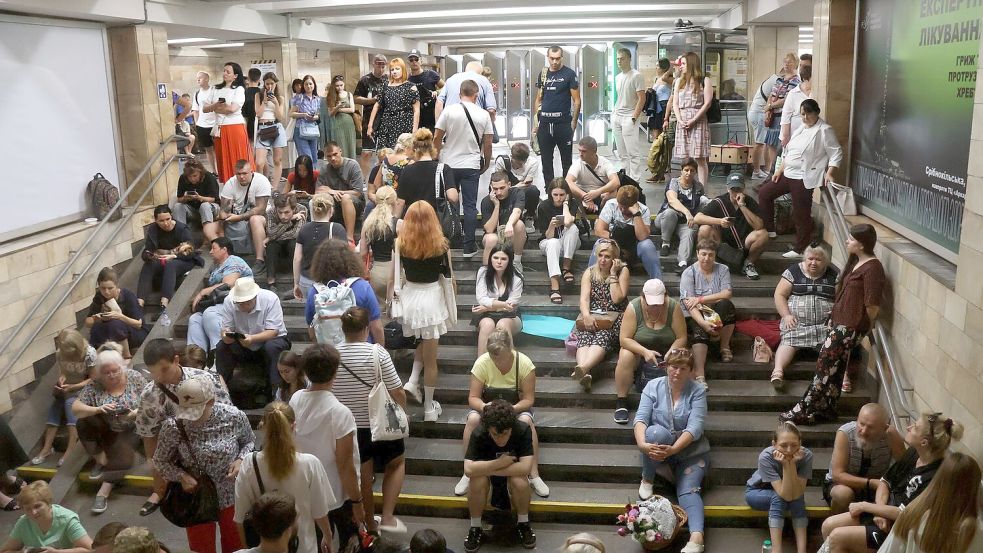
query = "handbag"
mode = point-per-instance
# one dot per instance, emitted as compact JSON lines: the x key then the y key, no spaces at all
{"x":448,"y":287}
{"x":844,"y":196}
{"x":760,"y":350}
{"x":713,"y":114}
{"x":186,"y":509}
{"x":605,"y":321}
{"x":393,"y":332}
{"x":269,"y":133}
{"x":309,"y":131}
{"x":215,"y":297}
{"x":252,"y":536}
{"x":387,"y":420}
{"x":450,"y":223}
{"x":511,"y":395}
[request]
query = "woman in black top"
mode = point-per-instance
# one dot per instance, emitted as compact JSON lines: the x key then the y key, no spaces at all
{"x":115,"y":315}
{"x":422,"y":306}
{"x":418,"y":181}
{"x":311,"y":234}
{"x":168,"y":252}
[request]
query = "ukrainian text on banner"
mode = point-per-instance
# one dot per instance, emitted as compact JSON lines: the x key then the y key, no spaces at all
{"x":913,"y":112}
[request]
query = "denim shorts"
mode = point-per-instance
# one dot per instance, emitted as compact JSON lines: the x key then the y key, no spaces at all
{"x":758,"y":128}
{"x":279,"y":142}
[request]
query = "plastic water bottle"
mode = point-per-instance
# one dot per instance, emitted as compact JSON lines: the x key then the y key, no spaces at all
{"x":165,"y":322}
{"x":766,"y":547}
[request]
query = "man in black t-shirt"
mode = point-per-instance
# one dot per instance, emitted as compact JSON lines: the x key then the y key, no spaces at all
{"x":733,"y":219}
{"x":366,"y":94}
{"x":501,"y":448}
{"x":427,"y":82}
{"x":501,"y":211}
{"x":557,"y":118}
{"x":249,"y":108}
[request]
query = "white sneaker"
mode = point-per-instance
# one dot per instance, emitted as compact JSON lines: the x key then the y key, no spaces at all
{"x":540,"y":487}
{"x":430,"y":415}
{"x":462,"y":486}
{"x":759,"y":174}
{"x":518,"y":267}
{"x":692,"y":548}
{"x":792,"y":254}
{"x":413,"y":390}
{"x":645,"y":490}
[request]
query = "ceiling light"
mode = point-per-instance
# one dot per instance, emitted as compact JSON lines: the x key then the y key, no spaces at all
{"x":226,"y":45}
{"x":188,"y":40}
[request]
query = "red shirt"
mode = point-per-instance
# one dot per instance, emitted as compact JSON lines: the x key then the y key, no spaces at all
{"x":307,"y":186}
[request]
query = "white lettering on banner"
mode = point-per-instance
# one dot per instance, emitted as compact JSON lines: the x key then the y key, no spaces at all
{"x":935,"y":173}
{"x":940,"y":214}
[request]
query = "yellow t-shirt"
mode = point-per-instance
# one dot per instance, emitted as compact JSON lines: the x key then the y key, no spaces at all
{"x":485,"y":370}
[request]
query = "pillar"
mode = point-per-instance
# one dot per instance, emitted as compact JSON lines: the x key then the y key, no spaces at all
{"x":832,"y":67}
{"x":767,"y":46}
{"x":140,"y":61}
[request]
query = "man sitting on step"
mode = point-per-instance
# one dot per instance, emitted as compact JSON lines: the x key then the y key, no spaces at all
{"x":592,"y":179}
{"x":252,"y":330}
{"x":733,"y":221}
{"x":341,"y":177}
{"x":501,"y":211}
{"x":499,"y":459}
{"x":627,"y":221}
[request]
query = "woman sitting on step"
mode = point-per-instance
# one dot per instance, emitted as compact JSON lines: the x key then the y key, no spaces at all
{"x":498,"y":292}
{"x":652,"y":326}
{"x":503,"y":373}
{"x":706,"y":283}
{"x":45,"y":526}
{"x":115,"y":315}
{"x":603,"y":297}
{"x":669,"y":433}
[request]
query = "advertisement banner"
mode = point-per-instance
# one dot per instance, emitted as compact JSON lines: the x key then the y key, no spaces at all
{"x":913,"y":112}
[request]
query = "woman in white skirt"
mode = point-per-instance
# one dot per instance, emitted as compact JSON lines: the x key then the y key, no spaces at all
{"x":421,"y":304}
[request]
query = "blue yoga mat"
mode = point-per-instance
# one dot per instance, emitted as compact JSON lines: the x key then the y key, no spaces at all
{"x":547,"y":326}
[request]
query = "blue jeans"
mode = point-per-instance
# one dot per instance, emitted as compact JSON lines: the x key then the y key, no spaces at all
{"x":467,"y":184}
{"x":767,"y":499}
{"x":305,"y":146}
{"x":689,"y":475}
{"x":61,"y":406}
{"x":647,"y":251}
{"x":205,"y":329}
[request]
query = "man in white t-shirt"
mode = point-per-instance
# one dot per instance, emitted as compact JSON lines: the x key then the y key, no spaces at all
{"x":204,"y":121}
{"x":245,"y":198}
{"x":468,"y":131}
{"x":628,"y":136}
{"x":791,"y":118}
{"x":326,"y":429}
{"x":592,"y":179}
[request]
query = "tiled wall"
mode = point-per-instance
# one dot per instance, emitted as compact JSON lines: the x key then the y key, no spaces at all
{"x":767,"y":46}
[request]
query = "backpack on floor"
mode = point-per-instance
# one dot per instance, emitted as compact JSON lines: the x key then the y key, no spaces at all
{"x":331,"y":300}
{"x":101,"y":196}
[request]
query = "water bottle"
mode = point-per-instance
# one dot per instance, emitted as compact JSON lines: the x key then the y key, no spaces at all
{"x":165,"y":322}
{"x":766,"y":547}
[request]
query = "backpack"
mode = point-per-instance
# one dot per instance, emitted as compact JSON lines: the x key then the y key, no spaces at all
{"x":625,"y":180}
{"x":101,"y":196}
{"x":330,"y":302}
{"x":507,"y":163}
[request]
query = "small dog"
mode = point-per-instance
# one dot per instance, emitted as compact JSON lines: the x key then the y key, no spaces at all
{"x":184,"y":248}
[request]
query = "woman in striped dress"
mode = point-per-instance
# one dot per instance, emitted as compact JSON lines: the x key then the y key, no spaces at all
{"x":692,"y":95}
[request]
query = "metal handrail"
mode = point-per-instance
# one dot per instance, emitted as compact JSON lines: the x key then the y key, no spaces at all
{"x":78,"y":254}
{"x":896,"y":388}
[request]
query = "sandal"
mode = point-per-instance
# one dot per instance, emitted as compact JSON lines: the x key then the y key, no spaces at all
{"x":555,"y":296}
{"x":847,"y":386}
{"x":726,"y":355}
{"x":11,"y":505}
{"x":568,"y":276}
{"x":148,"y":508}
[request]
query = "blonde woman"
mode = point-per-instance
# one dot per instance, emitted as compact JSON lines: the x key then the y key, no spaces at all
{"x":692,"y":95}
{"x":37,"y":528}
{"x":398,"y":106}
{"x":376,"y":243}
{"x":319,"y":229}
{"x":423,"y":312}
{"x":76,"y":360}
{"x":603,"y":288}
{"x":281,"y":467}
{"x":391,"y":165}
{"x":270,"y":115}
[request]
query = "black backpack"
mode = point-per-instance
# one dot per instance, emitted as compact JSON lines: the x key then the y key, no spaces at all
{"x":101,"y":195}
{"x":625,"y":180}
{"x":507,"y":164}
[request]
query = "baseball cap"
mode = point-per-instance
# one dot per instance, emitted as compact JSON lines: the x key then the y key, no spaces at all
{"x":414,"y":53}
{"x":654,"y":291}
{"x":734,"y":180}
{"x":382,"y":57}
{"x":244,"y":289}
{"x":193,"y":396}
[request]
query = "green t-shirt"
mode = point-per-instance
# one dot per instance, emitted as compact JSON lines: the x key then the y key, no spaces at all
{"x":484,"y":369}
{"x":65,"y":530}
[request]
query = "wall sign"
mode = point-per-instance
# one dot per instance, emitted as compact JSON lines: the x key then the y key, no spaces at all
{"x":162,"y":91}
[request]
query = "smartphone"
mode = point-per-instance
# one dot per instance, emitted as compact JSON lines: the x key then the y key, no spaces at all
{"x":269,"y":94}
{"x":558,"y":219}
{"x":236,"y":335}
{"x":221,"y":100}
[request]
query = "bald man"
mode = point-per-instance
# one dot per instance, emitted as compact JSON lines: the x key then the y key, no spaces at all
{"x":862,"y":453}
{"x":451,"y":93}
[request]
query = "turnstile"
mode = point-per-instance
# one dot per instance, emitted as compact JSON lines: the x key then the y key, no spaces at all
{"x":593,"y":103}
{"x":516,"y":92}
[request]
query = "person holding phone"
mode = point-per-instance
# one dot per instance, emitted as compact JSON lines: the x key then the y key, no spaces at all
{"x":734,"y":219}
{"x":269,"y":107}
{"x":197,"y":197}
{"x":231,"y":140}
{"x":555,"y":217}
{"x":64,"y":532}
{"x":305,"y":108}
{"x":252,"y":331}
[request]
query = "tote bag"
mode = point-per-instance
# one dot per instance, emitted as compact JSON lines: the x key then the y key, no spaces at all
{"x":387,"y":420}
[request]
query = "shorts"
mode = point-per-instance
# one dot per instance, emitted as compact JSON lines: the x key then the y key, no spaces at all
{"x":380,"y":453}
{"x":338,"y":216}
{"x":522,"y":414}
{"x":862,"y":495}
{"x":758,"y":128}
{"x":279,"y":142}
{"x":204,"y":135}
{"x":875,"y":536}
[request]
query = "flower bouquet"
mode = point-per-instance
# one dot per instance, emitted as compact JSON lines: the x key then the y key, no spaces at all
{"x":654,"y":523}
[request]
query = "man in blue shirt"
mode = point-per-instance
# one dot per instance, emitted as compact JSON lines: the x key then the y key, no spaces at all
{"x":558,"y":107}
{"x":451,"y":93}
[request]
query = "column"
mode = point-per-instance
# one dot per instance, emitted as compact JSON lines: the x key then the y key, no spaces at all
{"x":767,"y":46}
{"x":832,"y":67}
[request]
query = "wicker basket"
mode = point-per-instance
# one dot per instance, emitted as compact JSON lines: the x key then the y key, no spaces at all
{"x":681,"y":521}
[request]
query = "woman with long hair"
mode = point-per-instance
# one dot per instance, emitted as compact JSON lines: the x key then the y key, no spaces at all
{"x":858,"y":299}
{"x":398,"y":107}
{"x":305,"y":110}
{"x":424,"y":255}
{"x":498,"y":292}
{"x":335,"y":261}
{"x":269,"y":110}
{"x":76,"y":361}
{"x":416,"y":181}
{"x":115,"y":314}
{"x":281,"y":467}
{"x":231,"y":141}
{"x":341,"y":109}
{"x":662,"y":87}
{"x":363,"y":365}
{"x":292,"y":377}
{"x":378,"y":238}
{"x":946,"y":517}
{"x":692,"y":95}
{"x":319,"y":229}
{"x":302,"y":181}
{"x":197,"y":196}
{"x":866,"y":525}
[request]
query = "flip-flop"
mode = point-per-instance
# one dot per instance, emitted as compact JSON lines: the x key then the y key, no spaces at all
{"x":555,"y":296}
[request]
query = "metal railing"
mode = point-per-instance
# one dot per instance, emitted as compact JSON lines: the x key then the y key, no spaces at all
{"x":889,"y":375}
{"x":77,"y":276}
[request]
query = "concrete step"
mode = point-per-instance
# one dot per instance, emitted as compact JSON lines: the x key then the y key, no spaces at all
{"x":771,"y":262}
{"x":593,"y":426}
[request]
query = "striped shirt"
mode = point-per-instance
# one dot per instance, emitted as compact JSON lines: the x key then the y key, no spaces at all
{"x":351,"y":392}
{"x":694,"y":283}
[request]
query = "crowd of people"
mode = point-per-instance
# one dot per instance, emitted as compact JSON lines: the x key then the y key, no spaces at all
{"x":370,"y":258}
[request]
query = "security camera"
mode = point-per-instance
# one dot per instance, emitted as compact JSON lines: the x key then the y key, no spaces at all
{"x":307,"y":20}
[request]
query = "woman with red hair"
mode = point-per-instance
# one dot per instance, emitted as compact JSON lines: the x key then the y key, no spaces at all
{"x":398,"y":106}
{"x":420,"y":306}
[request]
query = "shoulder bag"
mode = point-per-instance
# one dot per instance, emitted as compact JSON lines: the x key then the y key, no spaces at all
{"x":511,"y":395}
{"x":448,"y":288}
{"x":477,"y":137}
{"x":387,"y":419}
{"x":356,"y":115}
{"x":394,"y":328}
{"x":252,"y":537}
{"x":605,"y":321}
{"x":186,"y":509}
{"x":450,"y":223}
{"x":698,"y":447}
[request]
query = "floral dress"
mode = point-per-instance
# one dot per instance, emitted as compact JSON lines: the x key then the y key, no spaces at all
{"x":94,"y":395}
{"x":396,"y":111}
{"x":600,"y":298}
{"x":693,"y":142}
